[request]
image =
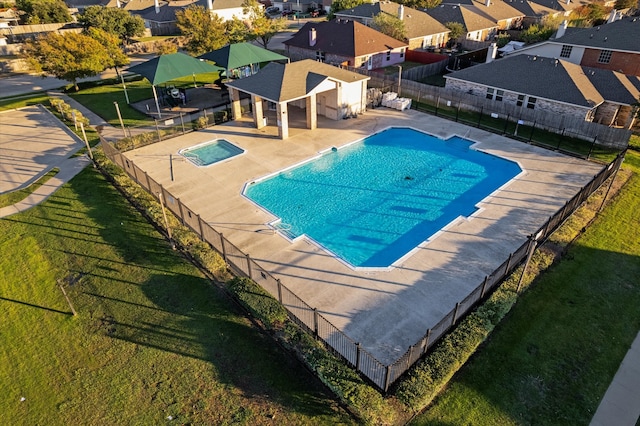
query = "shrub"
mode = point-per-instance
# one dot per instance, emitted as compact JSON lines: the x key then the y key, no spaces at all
{"x":257,"y":301}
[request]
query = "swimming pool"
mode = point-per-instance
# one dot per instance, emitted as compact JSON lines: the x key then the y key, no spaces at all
{"x":372,"y":202}
{"x":211,"y":152}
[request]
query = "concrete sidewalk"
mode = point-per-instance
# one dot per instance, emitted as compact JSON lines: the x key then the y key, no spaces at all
{"x":620,"y":405}
{"x":68,"y":169}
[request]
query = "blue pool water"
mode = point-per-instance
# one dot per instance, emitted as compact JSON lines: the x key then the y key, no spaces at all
{"x":211,"y":152}
{"x":373,"y":201}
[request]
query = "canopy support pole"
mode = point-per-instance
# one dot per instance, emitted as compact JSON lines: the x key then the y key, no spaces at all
{"x":155,"y":96}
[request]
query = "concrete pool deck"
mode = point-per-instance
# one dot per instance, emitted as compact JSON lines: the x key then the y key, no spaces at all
{"x":385,"y":310}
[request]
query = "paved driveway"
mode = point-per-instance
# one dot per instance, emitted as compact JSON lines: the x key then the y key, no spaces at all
{"x":32,"y":142}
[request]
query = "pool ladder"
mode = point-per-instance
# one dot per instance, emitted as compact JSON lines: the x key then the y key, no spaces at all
{"x":194,"y":158}
{"x":284,"y":229}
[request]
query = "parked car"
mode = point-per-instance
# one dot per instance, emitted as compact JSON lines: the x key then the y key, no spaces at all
{"x":288,"y":12}
{"x":272,"y":11}
{"x":317,"y":12}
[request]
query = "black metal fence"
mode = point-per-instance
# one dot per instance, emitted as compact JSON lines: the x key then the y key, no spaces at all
{"x":551,"y":130}
{"x":335,"y":340}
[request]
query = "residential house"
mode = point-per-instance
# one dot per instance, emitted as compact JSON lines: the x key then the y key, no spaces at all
{"x":613,"y":46}
{"x":422,"y":31}
{"x":160,"y":16}
{"x":345,"y":42}
{"x":317,"y":89}
{"x":551,"y":85}
{"x":301,"y":6}
{"x":503,"y":14}
{"x":479,"y":28}
{"x":535,"y":10}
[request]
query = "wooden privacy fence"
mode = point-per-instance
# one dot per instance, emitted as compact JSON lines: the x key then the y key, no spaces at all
{"x":381,"y":375}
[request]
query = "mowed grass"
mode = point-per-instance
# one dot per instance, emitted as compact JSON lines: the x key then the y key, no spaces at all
{"x":554,"y":356}
{"x":152,"y":337}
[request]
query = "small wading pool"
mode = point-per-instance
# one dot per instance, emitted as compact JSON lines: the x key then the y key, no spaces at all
{"x":211,"y":152}
{"x":374,"y":201}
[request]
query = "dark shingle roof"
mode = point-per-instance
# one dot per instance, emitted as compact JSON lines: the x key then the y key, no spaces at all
{"x":536,"y":76}
{"x":286,"y":82}
{"x":623,"y":34}
{"x":344,"y":38}
{"x":614,"y":86}
{"x":416,"y":23}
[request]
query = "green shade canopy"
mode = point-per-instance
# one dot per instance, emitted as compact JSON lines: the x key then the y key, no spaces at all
{"x":169,"y":67}
{"x":241,"y":54}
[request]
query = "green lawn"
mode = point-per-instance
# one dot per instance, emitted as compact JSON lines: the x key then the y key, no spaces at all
{"x":152,"y":337}
{"x":553,"y":357}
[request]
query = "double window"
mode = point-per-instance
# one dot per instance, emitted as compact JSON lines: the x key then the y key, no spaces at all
{"x":495,"y":94}
{"x":319,"y":56}
{"x":529,"y":101}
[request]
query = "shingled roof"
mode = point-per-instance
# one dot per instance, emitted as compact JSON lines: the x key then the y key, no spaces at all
{"x":344,"y":38}
{"x":466,"y":16}
{"x":286,"y":82}
{"x":623,"y":34}
{"x":536,"y":76}
{"x":614,"y":86}
{"x":497,"y":10}
{"x":416,"y":23}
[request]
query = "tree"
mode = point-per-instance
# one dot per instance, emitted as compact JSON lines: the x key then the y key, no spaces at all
{"x":423,"y":4}
{"x":626,"y":4}
{"x":44,"y":11}
{"x":339,"y":5}
{"x":204,"y":32}
{"x":113,"y":20}
{"x":389,"y":25}
{"x":111,"y":43}
{"x":260,"y":26}
{"x":237,"y":30}
{"x":68,"y":56}
{"x":536,"y":33}
{"x":456,"y":30}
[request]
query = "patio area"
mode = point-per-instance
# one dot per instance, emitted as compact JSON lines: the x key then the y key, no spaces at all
{"x":385,"y":310}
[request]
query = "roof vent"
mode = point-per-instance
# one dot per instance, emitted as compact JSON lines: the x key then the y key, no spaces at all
{"x":605,"y":39}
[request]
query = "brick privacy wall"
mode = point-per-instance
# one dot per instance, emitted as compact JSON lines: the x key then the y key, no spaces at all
{"x":512,"y":98}
{"x":626,"y":63}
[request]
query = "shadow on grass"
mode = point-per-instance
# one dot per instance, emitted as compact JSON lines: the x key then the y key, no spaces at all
{"x":35,"y":306}
{"x":142,"y":292}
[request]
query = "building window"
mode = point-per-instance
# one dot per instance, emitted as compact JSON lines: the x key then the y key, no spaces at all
{"x":402,"y":53}
{"x":531,"y":102}
{"x":319,"y":56}
{"x":388,"y":55}
{"x":495,"y":94}
{"x":520,"y":100}
{"x":605,"y":57}
{"x":490,"y":93}
{"x":566,"y":51}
